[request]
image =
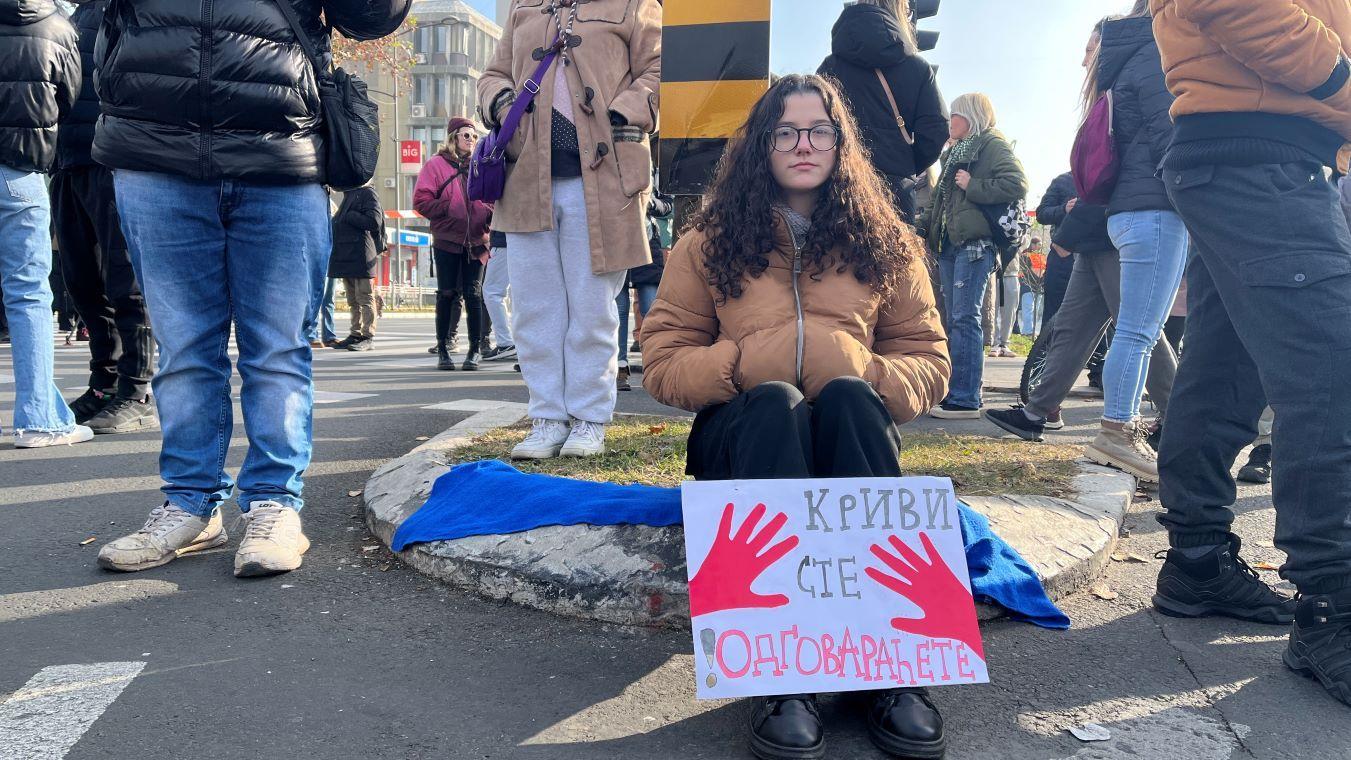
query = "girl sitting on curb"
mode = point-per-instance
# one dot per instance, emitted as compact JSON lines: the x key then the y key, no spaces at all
{"x":796,"y":317}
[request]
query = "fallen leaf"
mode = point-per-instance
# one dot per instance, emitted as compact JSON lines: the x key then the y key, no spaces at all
{"x":1265,"y":566}
{"x":1090,"y":732}
{"x":1101,"y":591}
{"x":89,"y":541}
{"x":353,"y":493}
{"x":656,"y":429}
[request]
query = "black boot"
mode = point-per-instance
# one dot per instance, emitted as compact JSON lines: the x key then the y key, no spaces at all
{"x":1218,"y":583}
{"x":443,"y":360}
{"x":1258,"y":468}
{"x":787,"y":728}
{"x":472,"y":360}
{"x":89,"y":404}
{"x":904,"y":723}
{"x":1320,"y":642}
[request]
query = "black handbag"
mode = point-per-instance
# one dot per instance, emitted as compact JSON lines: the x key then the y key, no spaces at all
{"x":351,"y":120}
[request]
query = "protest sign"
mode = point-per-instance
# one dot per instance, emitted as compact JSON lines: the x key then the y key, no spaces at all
{"x":826,"y":585}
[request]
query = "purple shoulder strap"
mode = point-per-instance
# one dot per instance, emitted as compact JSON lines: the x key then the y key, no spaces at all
{"x":529,"y":89}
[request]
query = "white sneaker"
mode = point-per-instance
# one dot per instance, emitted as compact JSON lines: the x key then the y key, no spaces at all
{"x":37,"y":439}
{"x":587,"y":439}
{"x":544,"y":442}
{"x":273,"y":541}
{"x":168,"y":534}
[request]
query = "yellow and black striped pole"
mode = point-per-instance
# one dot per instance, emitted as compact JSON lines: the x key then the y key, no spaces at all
{"x":714,"y":66}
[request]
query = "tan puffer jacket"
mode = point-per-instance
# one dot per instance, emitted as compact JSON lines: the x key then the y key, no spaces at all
{"x":1224,"y":56}
{"x":698,"y":352}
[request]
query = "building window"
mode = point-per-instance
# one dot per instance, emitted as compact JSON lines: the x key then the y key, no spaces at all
{"x":419,"y":90}
{"x":441,"y":32}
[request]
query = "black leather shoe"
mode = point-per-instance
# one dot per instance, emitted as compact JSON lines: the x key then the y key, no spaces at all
{"x":1218,"y":583}
{"x":471,"y":361}
{"x":787,"y":728}
{"x":1320,"y":642}
{"x":443,"y":360}
{"x":1258,"y":468}
{"x":904,"y":723}
{"x":345,"y":342}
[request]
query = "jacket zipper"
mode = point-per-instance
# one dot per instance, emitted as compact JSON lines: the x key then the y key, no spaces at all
{"x":204,"y":82}
{"x":797,"y":295}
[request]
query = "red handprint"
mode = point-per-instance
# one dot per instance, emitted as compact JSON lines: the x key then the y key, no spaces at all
{"x":734,"y":563}
{"x":932,"y":587}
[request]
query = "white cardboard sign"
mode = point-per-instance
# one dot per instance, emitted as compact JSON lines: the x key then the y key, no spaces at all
{"x":828,"y":585}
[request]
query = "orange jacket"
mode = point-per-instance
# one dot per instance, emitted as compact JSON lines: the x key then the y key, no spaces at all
{"x":802,"y":330}
{"x":1285,"y":57}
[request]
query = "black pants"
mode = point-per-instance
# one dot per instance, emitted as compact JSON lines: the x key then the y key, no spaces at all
{"x":459,"y":281}
{"x":1054,"y":284}
{"x":770,"y":431}
{"x":98,"y":274}
{"x":1268,"y":322}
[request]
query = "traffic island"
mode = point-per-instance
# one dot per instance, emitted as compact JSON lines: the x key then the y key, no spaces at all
{"x":636,"y":575}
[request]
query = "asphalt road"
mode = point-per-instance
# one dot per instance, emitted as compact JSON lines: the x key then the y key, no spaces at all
{"x":354,"y":656}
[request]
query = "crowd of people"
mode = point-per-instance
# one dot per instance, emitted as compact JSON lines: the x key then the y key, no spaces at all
{"x":811,"y":306}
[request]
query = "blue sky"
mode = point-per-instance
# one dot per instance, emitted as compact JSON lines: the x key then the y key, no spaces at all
{"x":1024,"y":54}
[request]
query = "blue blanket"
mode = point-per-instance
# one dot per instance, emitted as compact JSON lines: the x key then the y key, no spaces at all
{"x":502,"y":499}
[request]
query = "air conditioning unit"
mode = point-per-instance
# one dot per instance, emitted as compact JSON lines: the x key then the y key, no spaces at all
{"x":420,"y":59}
{"x":419,"y":111}
{"x":389,"y":183}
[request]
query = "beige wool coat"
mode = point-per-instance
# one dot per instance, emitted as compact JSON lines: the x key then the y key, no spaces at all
{"x":617,"y":67}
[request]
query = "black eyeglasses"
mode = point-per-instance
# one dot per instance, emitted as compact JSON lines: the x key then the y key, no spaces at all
{"x":821,"y":137}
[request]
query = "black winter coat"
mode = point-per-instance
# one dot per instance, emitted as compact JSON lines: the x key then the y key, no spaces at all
{"x":1083,"y":230}
{"x":39,"y":79}
{"x":215,"y":89}
{"x":76,"y":135}
{"x":1129,"y":64}
{"x":868,"y":37}
{"x":358,"y":235}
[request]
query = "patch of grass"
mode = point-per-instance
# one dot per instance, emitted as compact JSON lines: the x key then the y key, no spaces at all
{"x":651,"y":450}
{"x":1020,"y":344}
{"x":648,"y":450}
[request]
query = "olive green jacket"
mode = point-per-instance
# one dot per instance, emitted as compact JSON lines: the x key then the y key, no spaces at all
{"x":997,"y":178}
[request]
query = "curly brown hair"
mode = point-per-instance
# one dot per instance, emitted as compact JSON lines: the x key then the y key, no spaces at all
{"x":856,"y":224}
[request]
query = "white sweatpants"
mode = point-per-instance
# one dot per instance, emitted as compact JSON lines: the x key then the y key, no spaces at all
{"x":496,"y":283}
{"x":566,"y":327}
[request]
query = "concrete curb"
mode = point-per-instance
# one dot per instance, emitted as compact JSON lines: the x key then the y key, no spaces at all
{"x":635,"y":575}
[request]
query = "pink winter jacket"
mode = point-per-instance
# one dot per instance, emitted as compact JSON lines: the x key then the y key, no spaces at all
{"x":441,"y":195}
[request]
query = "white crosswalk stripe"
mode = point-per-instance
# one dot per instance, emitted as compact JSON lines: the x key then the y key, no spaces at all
{"x":45,"y":718}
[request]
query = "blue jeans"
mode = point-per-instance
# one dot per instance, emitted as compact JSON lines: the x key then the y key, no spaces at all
{"x":964,"y":271}
{"x":1153,"y":246}
{"x":209,"y":253}
{"x":322,"y":327}
{"x":25,"y":263}
{"x":647,"y":295}
{"x":1027,"y":315}
{"x":321,"y":298}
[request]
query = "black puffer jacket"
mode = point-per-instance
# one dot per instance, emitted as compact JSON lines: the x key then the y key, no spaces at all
{"x":1129,"y":64}
{"x":1052,"y":211}
{"x":1082,"y":230}
{"x":77,"y":129}
{"x":214,"y":89}
{"x":358,"y":235}
{"x":39,"y":78}
{"x":868,"y":37}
